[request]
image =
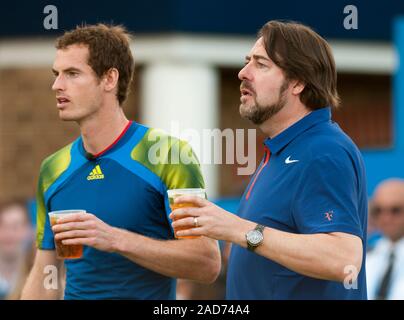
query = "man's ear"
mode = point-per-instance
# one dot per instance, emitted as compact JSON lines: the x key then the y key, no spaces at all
{"x":297,"y":87}
{"x":110,"y":79}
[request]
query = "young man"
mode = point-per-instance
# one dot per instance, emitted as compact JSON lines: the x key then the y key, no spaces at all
{"x":303,"y":216}
{"x":129,"y":249}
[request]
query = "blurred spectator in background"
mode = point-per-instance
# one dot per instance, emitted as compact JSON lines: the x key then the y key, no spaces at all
{"x":385,"y":272}
{"x":16,"y":248}
{"x":374,"y":234}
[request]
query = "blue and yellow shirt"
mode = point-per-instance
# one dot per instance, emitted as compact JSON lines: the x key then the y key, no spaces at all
{"x":125,"y":186}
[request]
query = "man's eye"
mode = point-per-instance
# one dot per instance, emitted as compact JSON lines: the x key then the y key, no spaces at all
{"x":72,"y":74}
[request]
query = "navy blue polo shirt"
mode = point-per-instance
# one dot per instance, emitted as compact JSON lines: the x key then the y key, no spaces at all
{"x":311,"y":180}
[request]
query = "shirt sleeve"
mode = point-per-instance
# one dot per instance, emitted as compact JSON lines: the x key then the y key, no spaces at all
{"x":182,"y":169}
{"x":184,"y":172}
{"x":44,"y":234}
{"x":327,"y":198}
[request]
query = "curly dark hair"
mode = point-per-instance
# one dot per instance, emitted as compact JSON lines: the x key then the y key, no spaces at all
{"x":109,"y":47}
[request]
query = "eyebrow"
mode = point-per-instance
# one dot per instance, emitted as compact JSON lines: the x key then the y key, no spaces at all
{"x":258,"y":57}
{"x":66,"y":70}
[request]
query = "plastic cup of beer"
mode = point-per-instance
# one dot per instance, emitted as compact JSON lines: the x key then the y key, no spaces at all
{"x":175,"y":193}
{"x":65,"y":251}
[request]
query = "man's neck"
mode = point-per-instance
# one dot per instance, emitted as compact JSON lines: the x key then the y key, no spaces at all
{"x":101,"y":130}
{"x":289,"y":115}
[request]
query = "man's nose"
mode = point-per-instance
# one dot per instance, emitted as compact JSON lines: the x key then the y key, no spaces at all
{"x":58,"y":84}
{"x":244,"y":73}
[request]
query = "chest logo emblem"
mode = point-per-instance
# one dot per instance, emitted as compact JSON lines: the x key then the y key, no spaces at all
{"x":96,"y":173}
{"x":288,"y":160}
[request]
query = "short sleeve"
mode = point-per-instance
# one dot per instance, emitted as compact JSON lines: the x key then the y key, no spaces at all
{"x":182,"y":169}
{"x":171,"y":160}
{"x":44,"y":234}
{"x":182,"y":173}
{"x":326,"y":199}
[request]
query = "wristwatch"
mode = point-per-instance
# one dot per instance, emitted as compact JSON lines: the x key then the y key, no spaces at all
{"x":255,"y":237}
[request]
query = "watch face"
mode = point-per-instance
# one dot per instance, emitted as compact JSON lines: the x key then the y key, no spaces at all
{"x":254,"y":237}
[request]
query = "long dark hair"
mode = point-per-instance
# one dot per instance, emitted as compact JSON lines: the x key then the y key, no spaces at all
{"x":305,"y":56}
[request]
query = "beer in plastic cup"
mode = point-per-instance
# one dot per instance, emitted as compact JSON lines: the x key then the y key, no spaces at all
{"x":65,"y":251}
{"x":175,"y":193}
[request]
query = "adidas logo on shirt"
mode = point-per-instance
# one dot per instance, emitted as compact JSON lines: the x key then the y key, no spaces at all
{"x":96,"y":173}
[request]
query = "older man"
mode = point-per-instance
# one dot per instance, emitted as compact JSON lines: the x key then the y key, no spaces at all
{"x":385,"y":262}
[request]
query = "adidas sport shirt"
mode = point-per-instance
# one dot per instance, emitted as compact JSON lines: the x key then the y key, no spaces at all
{"x":125,"y":188}
{"x":311,"y":180}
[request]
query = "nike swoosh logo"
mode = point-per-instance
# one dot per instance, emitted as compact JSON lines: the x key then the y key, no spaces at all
{"x":287,"y":160}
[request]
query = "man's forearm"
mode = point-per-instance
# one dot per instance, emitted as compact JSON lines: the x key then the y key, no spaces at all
{"x":44,"y":280}
{"x":195,"y":259}
{"x":321,"y":256}
{"x":36,"y":287}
